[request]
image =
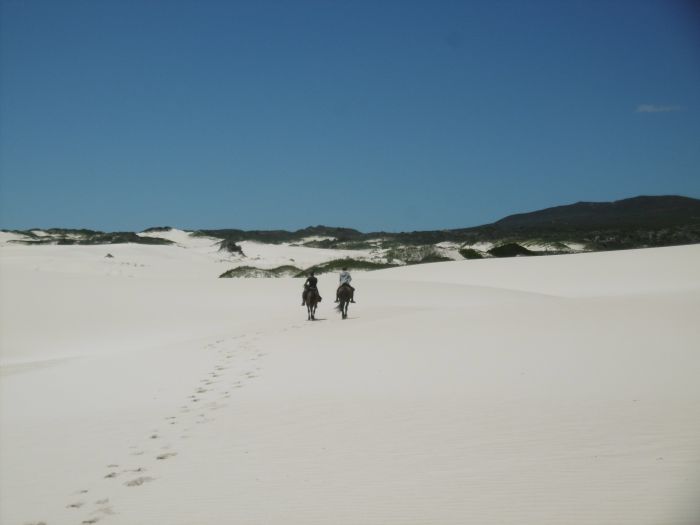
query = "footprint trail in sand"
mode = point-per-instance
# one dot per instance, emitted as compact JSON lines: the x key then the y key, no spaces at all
{"x":237,"y":363}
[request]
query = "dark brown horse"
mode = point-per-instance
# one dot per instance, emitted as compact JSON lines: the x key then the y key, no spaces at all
{"x":312,"y":299}
{"x":344,"y":295}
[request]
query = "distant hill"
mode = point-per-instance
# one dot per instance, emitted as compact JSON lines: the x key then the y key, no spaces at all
{"x":638,"y":212}
{"x":638,"y":222}
{"x":630,"y":223}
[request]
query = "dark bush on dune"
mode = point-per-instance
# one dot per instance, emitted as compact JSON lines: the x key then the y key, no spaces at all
{"x":338,"y":264}
{"x":156,"y":229}
{"x":228,"y":245}
{"x":510,"y":249}
{"x":251,"y":271}
{"x":90,"y":237}
{"x":469,"y":253}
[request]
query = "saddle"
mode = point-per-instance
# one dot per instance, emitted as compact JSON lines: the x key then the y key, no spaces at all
{"x":308,"y":289}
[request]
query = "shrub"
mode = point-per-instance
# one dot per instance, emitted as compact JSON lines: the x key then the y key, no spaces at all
{"x":251,"y":271}
{"x":338,"y":264}
{"x":230,"y":246}
{"x":510,"y":249}
{"x":469,"y":253}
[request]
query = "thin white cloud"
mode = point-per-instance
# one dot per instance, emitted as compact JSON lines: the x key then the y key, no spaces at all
{"x":652,"y":108}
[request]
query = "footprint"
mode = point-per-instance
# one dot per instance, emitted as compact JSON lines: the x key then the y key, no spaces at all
{"x":167,"y":455}
{"x":102,"y":501}
{"x":113,"y":465}
{"x":106,"y":510}
{"x":90,"y":521}
{"x":154,"y":436}
{"x":139,"y":481}
{"x":137,"y":470}
{"x":75,"y":505}
{"x":111,"y":475}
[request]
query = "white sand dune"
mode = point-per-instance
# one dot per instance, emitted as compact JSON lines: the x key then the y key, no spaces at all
{"x":549,"y":390}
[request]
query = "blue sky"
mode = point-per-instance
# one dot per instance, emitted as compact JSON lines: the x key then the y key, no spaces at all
{"x":120,"y":115}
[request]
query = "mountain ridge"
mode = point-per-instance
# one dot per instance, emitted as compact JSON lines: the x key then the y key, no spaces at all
{"x":641,"y":221}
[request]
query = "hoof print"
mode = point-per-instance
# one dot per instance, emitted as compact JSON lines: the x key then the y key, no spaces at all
{"x":139,"y":481}
{"x":166,"y":455}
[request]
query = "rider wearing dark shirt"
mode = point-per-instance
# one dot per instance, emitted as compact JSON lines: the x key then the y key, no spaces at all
{"x":310,"y":284}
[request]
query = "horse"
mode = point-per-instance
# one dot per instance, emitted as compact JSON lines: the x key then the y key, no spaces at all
{"x":344,"y":295}
{"x":312,"y":299}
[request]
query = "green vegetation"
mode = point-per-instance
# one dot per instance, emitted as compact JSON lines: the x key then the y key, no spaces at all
{"x":414,"y":254}
{"x":251,"y":271}
{"x":351,"y":264}
{"x":338,"y":244}
{"x":469,"y":253}
{"x":510,"y":249}
{"x":156,"y":229}
{"x":630,"y":223}
{"x":87,"y":237}
{"x":227,"y":245}
{"x":639,"y":222}
{"x":280,"y":236}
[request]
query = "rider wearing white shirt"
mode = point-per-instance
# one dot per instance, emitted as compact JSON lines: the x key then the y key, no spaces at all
{"x":345,"y":279}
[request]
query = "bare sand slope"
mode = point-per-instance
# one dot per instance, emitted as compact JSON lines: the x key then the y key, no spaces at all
{"x":523,"y":392}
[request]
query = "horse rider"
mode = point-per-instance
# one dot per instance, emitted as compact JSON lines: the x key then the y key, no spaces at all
{"x":310,"y":284}
{"x":344,"y":280}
